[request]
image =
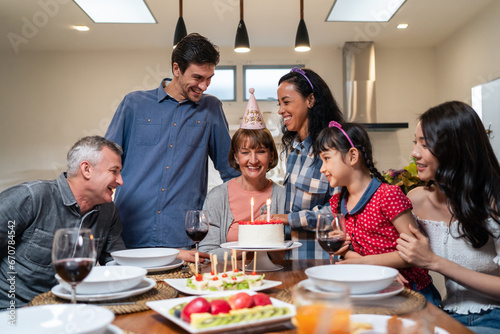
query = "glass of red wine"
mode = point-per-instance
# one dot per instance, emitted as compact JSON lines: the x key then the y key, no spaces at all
{"x":197,"y":225}
{"x":330,"y":232}
{"x":73,"y":255}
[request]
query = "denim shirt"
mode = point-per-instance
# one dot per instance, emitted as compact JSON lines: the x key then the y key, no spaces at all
{"x":166,"y":144}
{"x":30,"y":214}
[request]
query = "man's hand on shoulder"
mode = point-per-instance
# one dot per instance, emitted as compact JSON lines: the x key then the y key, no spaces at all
{"x":189,"y":255}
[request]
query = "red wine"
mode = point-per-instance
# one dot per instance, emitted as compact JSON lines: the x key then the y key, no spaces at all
{"x":197,"y":236}
{"x":74,"y":270}
{"x":331,"y":245}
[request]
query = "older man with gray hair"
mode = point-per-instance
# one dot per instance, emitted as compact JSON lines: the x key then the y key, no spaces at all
{"x":30,"y":214}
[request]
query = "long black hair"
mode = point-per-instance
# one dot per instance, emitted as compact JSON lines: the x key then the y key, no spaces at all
{"x":334,"y":138}
{"x":324,"y":110}
{"x":468,"y":172}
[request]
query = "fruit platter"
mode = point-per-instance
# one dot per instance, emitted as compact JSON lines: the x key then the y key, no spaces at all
{"x":223,"y":311}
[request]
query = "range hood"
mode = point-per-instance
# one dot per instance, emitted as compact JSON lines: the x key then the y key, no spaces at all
{"x":359,"y":87}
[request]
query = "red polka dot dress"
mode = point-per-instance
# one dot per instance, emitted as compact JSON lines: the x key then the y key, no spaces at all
{"x":370,"y":228}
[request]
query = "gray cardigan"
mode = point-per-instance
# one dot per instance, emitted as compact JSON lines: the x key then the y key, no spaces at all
{"x":220,"y":216}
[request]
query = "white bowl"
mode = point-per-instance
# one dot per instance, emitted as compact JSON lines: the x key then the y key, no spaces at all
{"x":104,"y":279}
{"x":145,"y":257}
{"x":59,"y":318}
{"x":361,"y":278}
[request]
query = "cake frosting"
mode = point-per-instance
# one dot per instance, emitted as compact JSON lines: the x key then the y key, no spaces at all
{"x":261,"y":233}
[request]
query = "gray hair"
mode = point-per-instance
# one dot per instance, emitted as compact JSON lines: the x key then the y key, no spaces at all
{"x":89,"y":149}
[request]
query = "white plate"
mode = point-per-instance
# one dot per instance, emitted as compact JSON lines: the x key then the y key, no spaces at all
{"x":379,"y":323}
{"x":391,"y":290}
{"x":163,"y":307}
{"x":112,"y":329}
{"x":180,"y":285}
{"x":146,"y":285}
{"x":175,"y":264}
{"x":59,"y":318}
{"x":234,"y":245}
{"x":104,"y":279}
{"x":146,"y":257}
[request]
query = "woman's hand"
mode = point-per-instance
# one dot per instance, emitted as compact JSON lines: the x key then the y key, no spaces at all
{"x":401,"y":279}
{"x":189,"y":255}
{"x":345,"y":247}
{"x":415,"y":249}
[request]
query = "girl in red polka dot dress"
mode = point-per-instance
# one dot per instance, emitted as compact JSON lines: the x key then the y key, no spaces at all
{"x":375,"y":212}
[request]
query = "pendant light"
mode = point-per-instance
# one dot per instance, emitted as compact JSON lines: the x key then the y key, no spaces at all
{"x":241,"y":42}
{"x":302,"y":37}
{"x":180,"y":28}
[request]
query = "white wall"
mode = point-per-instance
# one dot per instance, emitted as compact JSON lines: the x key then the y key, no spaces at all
{"x":470,"y":57}
{"x":50,"y":99}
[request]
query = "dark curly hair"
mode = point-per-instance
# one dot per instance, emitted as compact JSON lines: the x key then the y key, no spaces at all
{"x":468,"y":172}
{"x":324,"y":110}
{"x":195,"y":49}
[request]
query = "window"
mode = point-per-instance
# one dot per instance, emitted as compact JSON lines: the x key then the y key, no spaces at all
{"x":223,"y":84}
{"x":264,"y":78}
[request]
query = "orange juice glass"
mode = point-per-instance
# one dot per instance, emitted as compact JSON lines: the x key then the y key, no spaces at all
{"x":321,"y":312}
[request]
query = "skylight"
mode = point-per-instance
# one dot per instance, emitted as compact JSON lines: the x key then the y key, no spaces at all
{"x":364,"y":10}
{"x":117,"y":11}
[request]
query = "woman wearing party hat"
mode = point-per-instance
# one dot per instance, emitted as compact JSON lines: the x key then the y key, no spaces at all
{"x":253,"y":153}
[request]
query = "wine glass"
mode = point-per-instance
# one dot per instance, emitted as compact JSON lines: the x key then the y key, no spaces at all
{"x":330,"y":232}
{"x":196,"y":225}
{"x":73,"y":255}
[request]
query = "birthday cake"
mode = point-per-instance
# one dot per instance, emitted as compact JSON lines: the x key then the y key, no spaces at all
{"x":261,"y":233}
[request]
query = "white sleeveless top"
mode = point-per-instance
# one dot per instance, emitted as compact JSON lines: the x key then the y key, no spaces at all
{"x":444,"y":242}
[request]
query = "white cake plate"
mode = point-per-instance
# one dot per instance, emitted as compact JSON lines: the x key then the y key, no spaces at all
{"x":264,"y":263}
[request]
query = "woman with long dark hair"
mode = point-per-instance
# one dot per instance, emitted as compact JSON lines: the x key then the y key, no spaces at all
{"x":458,"y":213}
{"x":307,"y":106}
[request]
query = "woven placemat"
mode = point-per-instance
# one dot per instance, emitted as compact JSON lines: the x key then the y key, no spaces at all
{"x":160,"y":291}
{"x":179,"y":272}
{"x":405,"y":302}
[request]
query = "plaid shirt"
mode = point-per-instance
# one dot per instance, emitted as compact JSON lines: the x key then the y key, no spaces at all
{"x":307,"y":195}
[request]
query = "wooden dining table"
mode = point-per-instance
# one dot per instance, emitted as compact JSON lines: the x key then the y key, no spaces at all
{"x":151,"y":322}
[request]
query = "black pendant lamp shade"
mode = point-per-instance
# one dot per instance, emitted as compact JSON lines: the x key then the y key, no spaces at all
{"x":180,"y":28}
{"x":302,"y":37}
{"x":241,"y":42}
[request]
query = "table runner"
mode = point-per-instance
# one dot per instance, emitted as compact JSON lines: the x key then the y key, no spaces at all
{"x":405,"y":302}
{"x":159,"y":292}
{"x":180,"y":272}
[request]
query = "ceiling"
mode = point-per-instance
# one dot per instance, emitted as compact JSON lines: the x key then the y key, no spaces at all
{"x":46,"y":24}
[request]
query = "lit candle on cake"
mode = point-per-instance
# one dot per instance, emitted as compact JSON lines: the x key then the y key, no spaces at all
{"x":268,"y":202}
{"x":251,"y":210}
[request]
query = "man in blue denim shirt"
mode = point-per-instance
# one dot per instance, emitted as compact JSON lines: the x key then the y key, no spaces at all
{"x":167,"y":135}
{"x":30,"y":214}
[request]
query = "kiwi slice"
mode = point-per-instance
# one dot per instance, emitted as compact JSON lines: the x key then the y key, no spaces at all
{"x":284,"y":310}
{"x":235,"y":318}
{"x":211,"y":322}
{"x":271,"y":312}
{"x":256,"y":315}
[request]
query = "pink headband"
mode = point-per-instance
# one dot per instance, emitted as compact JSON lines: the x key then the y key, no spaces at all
{"x":334,"y":124}
{"x":301,"y":71}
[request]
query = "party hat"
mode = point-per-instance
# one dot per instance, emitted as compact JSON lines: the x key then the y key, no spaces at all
{"x":253,"y":118}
